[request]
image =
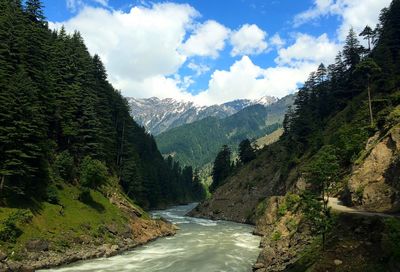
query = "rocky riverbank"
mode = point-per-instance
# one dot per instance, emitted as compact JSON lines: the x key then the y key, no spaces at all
{"x":48,"y":248}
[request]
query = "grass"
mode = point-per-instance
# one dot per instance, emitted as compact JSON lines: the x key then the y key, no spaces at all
{"x":62,"y":224}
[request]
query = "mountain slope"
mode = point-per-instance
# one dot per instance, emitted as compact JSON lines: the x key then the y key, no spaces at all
{"x":336,"y":142}
{"x":73,"y":163}
{"x":160,"y":115}
{"x":198,"y":143}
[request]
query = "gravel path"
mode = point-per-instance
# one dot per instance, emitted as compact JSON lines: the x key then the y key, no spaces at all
{"x":337,"y":205}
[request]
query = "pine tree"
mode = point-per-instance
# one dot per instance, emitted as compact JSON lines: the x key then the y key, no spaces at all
{"x":352,"y":50}
{"x":222,"y":167}
{"x":246,"y":151}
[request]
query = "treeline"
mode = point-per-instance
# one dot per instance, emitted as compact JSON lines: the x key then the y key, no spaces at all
{"x":337,"y":110}
{"x":59,"y":117}
{"x":365,"y":81}
{"x":339,"y":107}
{"x":198,"y":143}
{"x":224,"y":166}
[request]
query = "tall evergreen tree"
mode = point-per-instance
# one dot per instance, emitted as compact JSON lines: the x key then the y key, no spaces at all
{"x":246,"y":151}
{"x":222,"y":167}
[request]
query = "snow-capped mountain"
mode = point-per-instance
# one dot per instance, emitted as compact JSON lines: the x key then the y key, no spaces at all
{"x":159,"y":115}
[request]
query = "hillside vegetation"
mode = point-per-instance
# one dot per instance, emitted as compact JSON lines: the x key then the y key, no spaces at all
{"x":198,"y":143}
{"x":73,"y":163}
{"x":341,"y":138}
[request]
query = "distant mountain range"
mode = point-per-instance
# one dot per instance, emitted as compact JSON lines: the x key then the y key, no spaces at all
{"x":159,"y":115}
{"x":198,"y":143}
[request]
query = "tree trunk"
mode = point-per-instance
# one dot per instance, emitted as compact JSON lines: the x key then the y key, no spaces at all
{"x":3,"y":178}
{"x":370,"y":104}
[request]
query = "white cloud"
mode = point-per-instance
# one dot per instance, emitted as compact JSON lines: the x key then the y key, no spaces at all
{"x":294,"y":63}
{"x":309,"y":49}
{"x":102,"y":2}
{"x":247,"y":80}
{"x":140,"y":48}
{"x":75,"y":5}
{"x":198,"y":68}
{"x":277,"y":41}
{"x":207,"y":40}
{"x":248,"y":40}
{"x":353,"y":13}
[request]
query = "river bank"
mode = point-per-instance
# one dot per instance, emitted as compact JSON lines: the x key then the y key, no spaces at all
{"x":199,"y":245}
{"x":41,"y":257}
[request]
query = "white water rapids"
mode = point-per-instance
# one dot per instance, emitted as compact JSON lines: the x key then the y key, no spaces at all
{"x":199,"y":246}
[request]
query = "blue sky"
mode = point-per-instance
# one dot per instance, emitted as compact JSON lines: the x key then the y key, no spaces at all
{"x":212,"y":51}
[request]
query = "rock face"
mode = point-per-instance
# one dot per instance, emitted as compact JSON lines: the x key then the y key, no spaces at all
{"x":284,"y":236}
{"x":375,"y":184}
{"x":238,"y":198}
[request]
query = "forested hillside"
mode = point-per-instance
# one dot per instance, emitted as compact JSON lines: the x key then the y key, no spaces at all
{"x":198,"y":143}
{"x":61,"y":120}
{"x":341,"y":139}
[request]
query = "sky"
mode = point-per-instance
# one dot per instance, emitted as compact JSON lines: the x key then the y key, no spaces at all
{"x":212,"y":51}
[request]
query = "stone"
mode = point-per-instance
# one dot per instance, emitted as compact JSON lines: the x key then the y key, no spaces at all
{"x":37,"y":245}
{"x":258,"y":266}
{"x":337,"y":262}
{"x":3,"y":256}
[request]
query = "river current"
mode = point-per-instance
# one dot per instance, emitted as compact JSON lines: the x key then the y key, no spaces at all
{"x":200,"y":245}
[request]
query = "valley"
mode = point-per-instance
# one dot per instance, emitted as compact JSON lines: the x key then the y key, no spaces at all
{"x":94,"y":178}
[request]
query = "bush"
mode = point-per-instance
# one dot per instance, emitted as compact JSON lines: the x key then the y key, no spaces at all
{"x":52,"y":195}
{"x":93,"y":173}
{"x":292,"y":201}
{"x":65,"y":166}
{"x":392,"y":237}
{"x":9,"y":231}
{"x":276,"y":236}
{"x":84,"y":195}
{"x":349,"y":140}
{"x":282,"y":209}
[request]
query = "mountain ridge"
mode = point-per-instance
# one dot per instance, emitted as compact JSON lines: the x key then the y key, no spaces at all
{"x":160,"y":115}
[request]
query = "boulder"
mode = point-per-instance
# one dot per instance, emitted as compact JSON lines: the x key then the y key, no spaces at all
{"x":37,"y":245}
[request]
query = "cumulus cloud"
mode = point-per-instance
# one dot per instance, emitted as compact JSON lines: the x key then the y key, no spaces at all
{"x":309,"y":49}
{"x":277,"y":41}
{"x":293,"y":66}
{"x":74,"y":5}
{"x":353,"y":13}
{"x":200,"y":69}
{"x":140,"y":48}
{"x":245,"y":79}
{"x":145,"y":48}
{"x":248,"y":40}
{"x":207,"y":40}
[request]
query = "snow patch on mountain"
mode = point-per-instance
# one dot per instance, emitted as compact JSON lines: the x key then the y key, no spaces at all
{"x":159,"y":115}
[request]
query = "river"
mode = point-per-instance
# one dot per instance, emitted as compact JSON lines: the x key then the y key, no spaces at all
{"x":200,"y":245}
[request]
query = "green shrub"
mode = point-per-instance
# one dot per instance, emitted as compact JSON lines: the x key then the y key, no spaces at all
{"x":349,"y":140}
{"x":282,"y":209}
{"x":65,"y":166}
{"x":261,"y":208}
{"x":85,"y":196}
{"x":292,"y":201}
{"x":52,"y":195}
{"x":9,"y":231}
{"x":276,"y":236}
{"x":291,"y":224}
{"x":394,"y":117}
{"x":93,"y":173}
{"x":392,"y":237}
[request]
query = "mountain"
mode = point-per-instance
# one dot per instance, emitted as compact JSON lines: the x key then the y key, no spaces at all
{"x":340,"y":143}
{"x":74,"y":165}
{"x":198,"y":143}
{"x":159,"y":115}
